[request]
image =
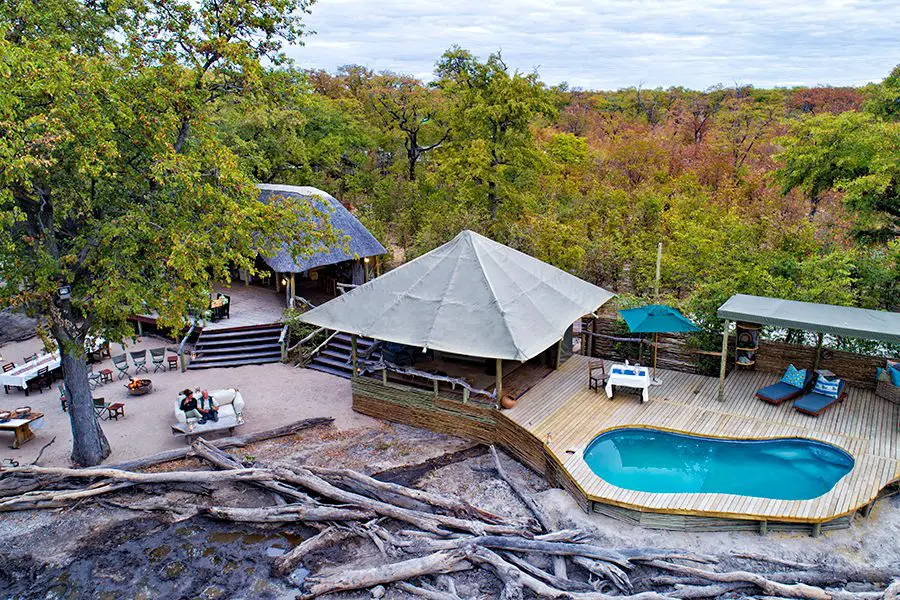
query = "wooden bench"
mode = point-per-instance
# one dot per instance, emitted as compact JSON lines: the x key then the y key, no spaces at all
{"x":226,"y":423}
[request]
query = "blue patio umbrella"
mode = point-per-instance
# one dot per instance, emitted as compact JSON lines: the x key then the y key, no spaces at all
{"x":656,"y":319}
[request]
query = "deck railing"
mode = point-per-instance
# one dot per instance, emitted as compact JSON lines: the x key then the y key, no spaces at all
{"x":433,"y":379}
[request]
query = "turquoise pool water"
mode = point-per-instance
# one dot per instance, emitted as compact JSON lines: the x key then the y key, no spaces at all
{"x":649,"y":460}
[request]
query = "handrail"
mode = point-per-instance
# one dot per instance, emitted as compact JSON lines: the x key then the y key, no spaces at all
{"x":283,"y":343}
{"x":306,"y":339}
{"x":343,"y":287}
{"x":323,"y":344}
{"x":181,"y":346}
{"x":371,"y":366}
{"x":303,"y":300}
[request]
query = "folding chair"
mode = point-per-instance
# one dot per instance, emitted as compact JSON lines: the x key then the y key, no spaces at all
{"x":140,"y":361}
{"x":158,"y":356}
{"x":101,"y":407}
{"x":31,"y":358}
{"x":121,"y":362}
{"x":94,"y":380}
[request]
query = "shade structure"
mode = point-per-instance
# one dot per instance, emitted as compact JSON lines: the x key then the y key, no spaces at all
{"x":471,"y":296}
{"x":656,"y":319}
{"x":846,"y":321}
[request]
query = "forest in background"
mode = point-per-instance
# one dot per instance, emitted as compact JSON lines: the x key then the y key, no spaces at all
{"x":793,"y":193}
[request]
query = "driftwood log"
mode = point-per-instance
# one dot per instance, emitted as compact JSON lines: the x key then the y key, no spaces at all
{"x":423,"y":538}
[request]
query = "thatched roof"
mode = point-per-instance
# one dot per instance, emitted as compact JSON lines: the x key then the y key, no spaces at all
{"x":360,"y":243}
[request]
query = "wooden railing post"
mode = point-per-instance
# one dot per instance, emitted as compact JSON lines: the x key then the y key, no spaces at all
{"x":722,"y":365}
{"x":499,"y":389}
{"x":353,"y":355}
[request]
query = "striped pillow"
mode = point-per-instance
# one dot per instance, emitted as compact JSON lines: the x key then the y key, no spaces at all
{"x":827,"y":387}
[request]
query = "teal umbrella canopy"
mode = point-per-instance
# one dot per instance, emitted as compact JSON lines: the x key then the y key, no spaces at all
{"x":657,"y":318}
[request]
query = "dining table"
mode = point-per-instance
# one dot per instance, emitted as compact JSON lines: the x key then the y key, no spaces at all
{"x":22,"y":374}
{"x":633,"y":376}
{"x":22,"y":428}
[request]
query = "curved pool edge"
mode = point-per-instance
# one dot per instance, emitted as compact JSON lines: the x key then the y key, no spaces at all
{"x":594,"y":491}
{"x":655,"y":460}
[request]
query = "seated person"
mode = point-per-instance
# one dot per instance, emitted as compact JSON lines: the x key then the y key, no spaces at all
{"x":208,"y":407}
{"x":189,"y":406}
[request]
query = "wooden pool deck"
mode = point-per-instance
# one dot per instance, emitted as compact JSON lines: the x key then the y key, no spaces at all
{"x":564,"y":415}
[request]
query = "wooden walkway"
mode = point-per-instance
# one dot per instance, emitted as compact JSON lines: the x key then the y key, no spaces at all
{"x":564,"y":414}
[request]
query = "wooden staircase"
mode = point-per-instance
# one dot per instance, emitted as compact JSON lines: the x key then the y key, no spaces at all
{"x":237,"y":346}
{"x":334,"y":358}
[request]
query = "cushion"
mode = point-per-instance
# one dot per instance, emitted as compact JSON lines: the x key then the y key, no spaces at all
{"x":827,"y":387}
{"x":795,"y":377}
{"x":895,"y":375}
{"x":878,"y":373}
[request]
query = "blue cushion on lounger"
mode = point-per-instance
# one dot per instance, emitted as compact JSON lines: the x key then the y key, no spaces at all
{"x":895,"y":375}
{"x":778,"y":392}
{"x":816,"y":403}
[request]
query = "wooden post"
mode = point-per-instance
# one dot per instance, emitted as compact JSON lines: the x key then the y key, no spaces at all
{"x":465,"y":395}
{"x":559,"y":352}
{"x":816,"y":529}
{"x":353,"y":355}
{"x":293,"y":292}
{"x":140,"y":328}
{"x":384,"y":376}
{"x":722,"y":366}
{"x":499,"y":389}
{"x":658,"y":263}
{"x":763,"y":527}
{"x":818,"y":351}
{"x":436,"y":386}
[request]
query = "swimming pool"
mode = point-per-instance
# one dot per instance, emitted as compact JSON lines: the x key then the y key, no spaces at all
{"x":651,"y":460}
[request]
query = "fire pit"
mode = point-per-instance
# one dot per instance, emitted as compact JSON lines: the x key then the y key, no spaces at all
{"x":139,"y":387}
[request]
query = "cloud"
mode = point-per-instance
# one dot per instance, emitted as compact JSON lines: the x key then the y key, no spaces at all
{"x":609,"y":44}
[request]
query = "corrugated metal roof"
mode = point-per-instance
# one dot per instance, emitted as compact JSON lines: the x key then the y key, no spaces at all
{"x":471,"y":296}
{"x":360,"y":243}
{"x":826,"y":318}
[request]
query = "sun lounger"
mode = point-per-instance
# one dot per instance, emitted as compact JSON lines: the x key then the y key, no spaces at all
{"x":814,"y":404}
{"x":781,"y":392}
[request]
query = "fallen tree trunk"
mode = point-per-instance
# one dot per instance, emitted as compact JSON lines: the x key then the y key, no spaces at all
{"x":355,"y":579}
{"x":514,"y":578}
{"x":286,"y":514}
{"x":325,"y":538}
{"x":222,"y":443}
{"x":455,"y":506}
{"x":548,"y":524}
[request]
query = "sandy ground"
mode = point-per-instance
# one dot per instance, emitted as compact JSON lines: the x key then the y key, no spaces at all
{"x":275,"y":394}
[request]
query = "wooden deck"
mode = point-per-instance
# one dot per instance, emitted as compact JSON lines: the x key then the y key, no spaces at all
{"x":565,"y":415}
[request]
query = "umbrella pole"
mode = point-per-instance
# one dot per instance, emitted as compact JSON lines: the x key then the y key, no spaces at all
{"x":655,"y":346}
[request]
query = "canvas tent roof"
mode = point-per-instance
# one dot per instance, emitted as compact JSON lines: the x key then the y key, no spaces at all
{"x":826,"y":318}
{"x":471,"y":296}
{"x":360,"y":243}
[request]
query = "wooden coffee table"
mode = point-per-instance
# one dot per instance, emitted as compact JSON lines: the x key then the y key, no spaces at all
{"x":21,"y":428}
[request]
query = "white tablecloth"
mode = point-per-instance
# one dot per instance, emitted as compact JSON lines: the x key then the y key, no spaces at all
{"x":21,"y":375}
{"x":629,"y":376}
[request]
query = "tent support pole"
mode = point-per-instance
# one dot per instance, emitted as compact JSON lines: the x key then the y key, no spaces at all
{"x":722,"y":364}
{"x":559,"y":346}
{"x":353,"y":355}
{"x":818,"y":351}
{"x":499,"y":381}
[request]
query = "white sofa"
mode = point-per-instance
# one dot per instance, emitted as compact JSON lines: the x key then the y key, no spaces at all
{"x":231,"y":407}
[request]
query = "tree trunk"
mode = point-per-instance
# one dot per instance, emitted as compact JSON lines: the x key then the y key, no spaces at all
{"x":89,"y":444}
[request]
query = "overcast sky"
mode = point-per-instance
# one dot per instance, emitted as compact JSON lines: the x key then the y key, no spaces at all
{"x":610,"y":44}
